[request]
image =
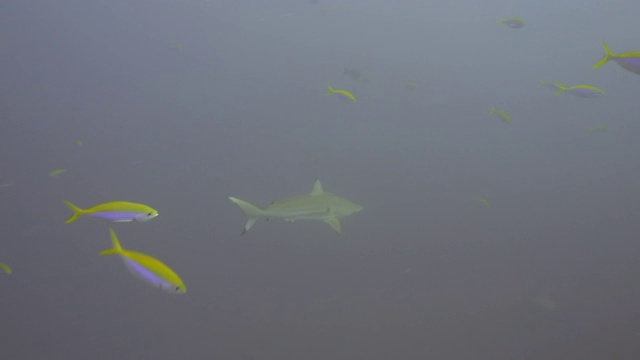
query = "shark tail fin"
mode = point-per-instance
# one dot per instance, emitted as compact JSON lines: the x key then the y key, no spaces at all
{"x":561,"y":88}
{"x":607,"y":56}
{"x":76,"y":212}
{"x":251,"y":211}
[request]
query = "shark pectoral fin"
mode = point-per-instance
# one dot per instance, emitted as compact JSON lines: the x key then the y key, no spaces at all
{"x":334,"y":223}
{"x":248,"y":225}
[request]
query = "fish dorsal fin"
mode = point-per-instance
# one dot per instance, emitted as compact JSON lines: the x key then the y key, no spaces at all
{"x":317,"y":188}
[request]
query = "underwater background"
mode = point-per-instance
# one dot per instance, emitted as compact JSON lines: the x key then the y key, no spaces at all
{"x":479,"y":238}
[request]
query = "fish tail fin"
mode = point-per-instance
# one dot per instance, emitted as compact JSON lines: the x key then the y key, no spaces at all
{"x":331,"y":91}
{"x":502,"y":21}
{"x":251,"y":211}
{"x":561,"y":88}
{"x":543,"y":83}
{"x":6,"y":268}
{"x":607,"y":56}
{"x":493,"y":110}
{"x":77,"y":212}
{"x":117,"y":249}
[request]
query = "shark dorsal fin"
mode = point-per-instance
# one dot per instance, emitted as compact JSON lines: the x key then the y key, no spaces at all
{"x":317,"y":188}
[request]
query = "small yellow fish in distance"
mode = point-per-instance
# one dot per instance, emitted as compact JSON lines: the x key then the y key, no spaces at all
{"x":57,"y":172}
{"x":410,"y":85}
{"x":629,"y":61}
{"x":344,"y":94}
{"x":596,"y":129}
{"x":147,"y":268}
{"x":115,"y":211}
{"x":483,"y":200}
{"x":514,"y":23}
{"x":79,"y":142}
{"x":500,"y":113}
{"x":583,"y":91}
{"x":5,"y":268}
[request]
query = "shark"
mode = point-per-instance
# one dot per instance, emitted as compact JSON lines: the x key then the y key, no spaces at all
{"x":316,"y":205}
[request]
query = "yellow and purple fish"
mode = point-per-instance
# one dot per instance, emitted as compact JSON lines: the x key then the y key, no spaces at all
{"x":483,"y":200}
{"x":629,"y":61}
{"x":500,"y":113}
{"x":344,"y":94}
{"x":583,"y":91}
{"x":514,"y":23}
{"x":147,"y":268}
{"x":597,"y":129}
{"x":115,"y":211}
{"x":57,"y":172}
{"x":6,"y":268}
{"x":410,"y":85}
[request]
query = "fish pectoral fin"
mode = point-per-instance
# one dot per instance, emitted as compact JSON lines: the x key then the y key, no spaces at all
{"x":334,"y":223}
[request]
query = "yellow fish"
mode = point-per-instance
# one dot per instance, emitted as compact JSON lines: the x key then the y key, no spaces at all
{"x":410,"y":85}
{"x":79,"y":142}
{"x":57,"y":172}
{"x":147,"y":268}
{"x":583,"y":91}
{"x":500,"y":113}
{"x":115,"y":211}
{"x":600,"y":128}
{"x":515,"y":23}
{"x":629,"y":61}
{"x":5,"y":268}
{"x":483,"y":200}
{"x":342,"y":93}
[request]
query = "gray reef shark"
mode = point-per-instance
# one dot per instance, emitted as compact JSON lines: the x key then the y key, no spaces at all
{"x":317,"y":205}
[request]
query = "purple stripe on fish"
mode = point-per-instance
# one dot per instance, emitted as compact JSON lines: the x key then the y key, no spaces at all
{"x":117,"y":216}
{"x":344,"y":98}
{"x":629,"y":64}
{"x":144,"y":273}
{"x":585,"y":93}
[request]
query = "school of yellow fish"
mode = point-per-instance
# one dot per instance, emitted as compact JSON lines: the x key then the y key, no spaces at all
{"x":316,"y":205}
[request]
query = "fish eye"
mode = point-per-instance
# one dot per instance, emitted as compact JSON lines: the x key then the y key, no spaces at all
{"x":177,"y":288}
{"x":149,"y":214}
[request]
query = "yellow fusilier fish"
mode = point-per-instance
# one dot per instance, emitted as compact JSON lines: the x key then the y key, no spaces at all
{"x":483,"y":200}
{"x":5,"y":268}
{"x":147,"y":268}
{"x":410,"y":85}
{"x":599,"y":128}
{"x":115,"y":211}
{"x":583,"y":91}
{"x":500,"y":113}
{"x":344,"y":94}
{"x":629,"y":61}
{"x":79,"y":142}
{"x":515,"y":23}
{"x":57,"y":172}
